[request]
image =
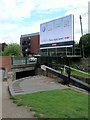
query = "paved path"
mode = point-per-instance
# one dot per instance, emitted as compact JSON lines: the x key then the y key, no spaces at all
{"x":22,"y":86}
{"x":10,"y":110}
{"x":34,"y":84}
{"x":0,"y":100}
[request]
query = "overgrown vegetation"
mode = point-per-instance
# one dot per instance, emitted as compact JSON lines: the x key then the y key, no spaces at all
{"x":56,"y":103}
{"x":85,"y":41}
{"x":82,"y":74}
{"x":12,"y":49}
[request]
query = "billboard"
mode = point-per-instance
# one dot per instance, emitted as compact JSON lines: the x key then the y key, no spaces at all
{"x":57,"y":33}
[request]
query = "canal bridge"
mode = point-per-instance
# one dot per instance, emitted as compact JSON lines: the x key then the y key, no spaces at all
{"x":23,"y":67}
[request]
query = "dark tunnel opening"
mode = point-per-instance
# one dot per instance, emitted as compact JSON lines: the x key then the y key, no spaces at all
{"x":23,"y":74}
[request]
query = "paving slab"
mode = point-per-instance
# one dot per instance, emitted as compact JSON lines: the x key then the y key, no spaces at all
{"x":11,"y":110}
{"x":34,"y":84}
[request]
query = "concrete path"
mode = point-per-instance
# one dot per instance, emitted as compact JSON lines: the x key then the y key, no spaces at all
{"x":9,"y":109}
{"x":0,"y":100}
{"x":34,"y":84}
{"x":23,"y":86}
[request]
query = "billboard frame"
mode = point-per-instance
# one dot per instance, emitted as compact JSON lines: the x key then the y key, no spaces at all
{"x":59,"y":44}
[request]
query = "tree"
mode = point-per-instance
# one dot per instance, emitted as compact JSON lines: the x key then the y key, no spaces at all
{"x":12,"y":49}
{"x":84,"y":44}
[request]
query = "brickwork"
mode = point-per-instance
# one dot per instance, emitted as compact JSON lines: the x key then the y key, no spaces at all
{"x":34,"y":42}
{"x":5,"y":62}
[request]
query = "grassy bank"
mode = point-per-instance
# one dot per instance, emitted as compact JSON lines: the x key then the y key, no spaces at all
{"x":82,"y":74}
{"x":55,"y":103}
{"x":77,"y":72}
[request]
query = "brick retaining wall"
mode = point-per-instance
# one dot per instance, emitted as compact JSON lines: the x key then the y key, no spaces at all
{"x":5,"y":62}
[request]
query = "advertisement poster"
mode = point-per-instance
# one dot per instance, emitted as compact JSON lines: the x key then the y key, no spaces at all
{"x":58,"y":32}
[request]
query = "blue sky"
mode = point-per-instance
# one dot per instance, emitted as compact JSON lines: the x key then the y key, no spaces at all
{"x":19,"y":17}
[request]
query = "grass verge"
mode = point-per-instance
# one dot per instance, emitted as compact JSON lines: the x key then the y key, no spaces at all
{"x":84,"y":75}
{"x":56,"y":103}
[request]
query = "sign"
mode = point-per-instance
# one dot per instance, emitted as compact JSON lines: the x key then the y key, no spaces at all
{"x":57,"y":33}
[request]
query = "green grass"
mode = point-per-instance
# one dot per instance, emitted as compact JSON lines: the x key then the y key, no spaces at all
{"x":56,"y":103}
{"x":77,"y":73}
{"x":85,"y":74}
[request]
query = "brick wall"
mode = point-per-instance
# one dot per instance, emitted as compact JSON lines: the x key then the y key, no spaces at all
{"x":35,"y":44}
{"x":5,"y":62}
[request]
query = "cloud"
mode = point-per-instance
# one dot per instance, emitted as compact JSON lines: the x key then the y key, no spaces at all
{"x":15,"y":9}
{"x":11,"y":37}
{"x":13,"y":32}
{"x":45,"y":5}
{"x":14,"y":13}
{"x":20,"y":9}
{"x":51,"y":4}
{"x":77,"y":10}
{"x":8,"y":27}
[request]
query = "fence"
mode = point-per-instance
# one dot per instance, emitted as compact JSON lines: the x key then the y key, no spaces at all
{"x":74,"y":81}
{"x":76,"y":72}
{"x":22,"y":60}
{"x":60,"y":52}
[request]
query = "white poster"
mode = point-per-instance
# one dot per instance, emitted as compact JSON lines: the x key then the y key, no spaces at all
{"x":57,"y":31}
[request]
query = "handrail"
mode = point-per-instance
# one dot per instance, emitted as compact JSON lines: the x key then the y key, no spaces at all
{"x":65,"y":77}
{"x":21,"y":60}
{"x":75,"y":69}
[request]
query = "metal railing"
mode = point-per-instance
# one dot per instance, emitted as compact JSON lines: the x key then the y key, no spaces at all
{"x":73,"y":81}
{"x":21,"y":60}
{"x":61,"y":53}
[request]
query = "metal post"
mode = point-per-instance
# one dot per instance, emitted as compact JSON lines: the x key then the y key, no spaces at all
{"x":82,"y":35}
{"x":5,"y":74}
{"x":72,"y":50}
{"x":26,"y":60}
{"x":56,"y":51}
{"x":47,"y":52}
{"x":12,"y":59}
{"x":69,"y":73}
{"x":73,"y":38}
{"x":66,"y":51}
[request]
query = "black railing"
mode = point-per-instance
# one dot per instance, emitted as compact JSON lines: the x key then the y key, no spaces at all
{"x":66,"y":78}
{"x":61,"y":52}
